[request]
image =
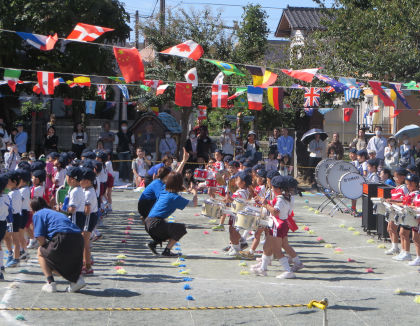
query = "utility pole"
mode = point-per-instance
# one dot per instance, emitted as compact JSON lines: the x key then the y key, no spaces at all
{"x":162,"y":16}
{"x":136,"y":29}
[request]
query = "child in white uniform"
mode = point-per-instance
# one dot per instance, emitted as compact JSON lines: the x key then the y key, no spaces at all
{"x":25,"y":193}
{"x":91,"y":212}
{"x":4,"y":213}
{"x":16,"y":205}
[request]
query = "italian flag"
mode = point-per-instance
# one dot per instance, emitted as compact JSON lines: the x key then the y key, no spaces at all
{"x":12,"y":77}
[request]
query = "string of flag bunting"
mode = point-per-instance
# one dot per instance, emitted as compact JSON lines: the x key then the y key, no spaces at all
{"x":132,"y":69}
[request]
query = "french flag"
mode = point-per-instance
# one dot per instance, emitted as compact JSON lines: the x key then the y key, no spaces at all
{"x":255,"y":98}
{"x":41,"y":42}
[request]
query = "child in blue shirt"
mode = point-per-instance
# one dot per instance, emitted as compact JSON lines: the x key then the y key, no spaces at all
{"x":16,"y":206}
{"x":167,"y":203}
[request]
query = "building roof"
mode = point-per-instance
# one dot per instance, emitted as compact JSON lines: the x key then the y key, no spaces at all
{"x":299,"y":18}
{"x":164,"y":120}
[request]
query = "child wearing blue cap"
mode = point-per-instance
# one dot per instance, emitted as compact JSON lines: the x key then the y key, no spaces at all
{"x":16,"y":206}
{"x":87,"y":177}
{"x":243,"y":181}
{"x":280,"y":209}
{"x":25,"y":192}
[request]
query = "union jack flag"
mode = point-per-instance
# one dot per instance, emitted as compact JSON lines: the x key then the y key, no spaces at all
{"x":312,"y":96}
{"x":102,"y":91}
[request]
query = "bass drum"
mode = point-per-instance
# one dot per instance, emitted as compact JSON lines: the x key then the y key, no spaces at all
{"x":321,"y":172}
{"x":351,"y":185}
{"x":335,"y":171}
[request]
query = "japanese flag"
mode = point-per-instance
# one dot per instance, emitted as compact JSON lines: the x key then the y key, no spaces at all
{"x":192,"y":77}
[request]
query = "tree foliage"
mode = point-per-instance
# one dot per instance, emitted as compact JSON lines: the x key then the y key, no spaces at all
{"x":378,"y":39}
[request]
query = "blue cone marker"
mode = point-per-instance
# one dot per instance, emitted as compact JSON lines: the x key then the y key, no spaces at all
{"x":187,"y":287}
{"x":182,"y":265}
{"x":181,"y":259}
{"x":187,"y":279}
{"x":190,"y":297}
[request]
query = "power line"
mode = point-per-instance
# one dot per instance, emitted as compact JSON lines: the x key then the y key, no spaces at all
{"x":225,"y":5}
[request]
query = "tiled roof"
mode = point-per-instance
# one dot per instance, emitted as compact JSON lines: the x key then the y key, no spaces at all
{"x":303,"y":18}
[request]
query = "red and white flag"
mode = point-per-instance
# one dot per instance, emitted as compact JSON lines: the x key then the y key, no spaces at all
{"x":219,"y":96}
{"x":219,"y":79}
{"x":45,"y":83}
{"x":161,"y":89}
{"x":192,"y":77}
{"x":202,"y":112}
{"x":102,"y":91}
{"x":152,"y":83}
{"x":304,"y":74}
{"x":87,"y":33}
{"x":188,"y":49}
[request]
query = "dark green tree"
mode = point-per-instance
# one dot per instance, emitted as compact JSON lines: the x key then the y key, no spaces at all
{"x":49,"y":17}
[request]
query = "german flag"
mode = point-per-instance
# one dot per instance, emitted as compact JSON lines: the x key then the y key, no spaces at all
{"x":275,"y":97}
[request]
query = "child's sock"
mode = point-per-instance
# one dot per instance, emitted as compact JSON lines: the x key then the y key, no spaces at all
{"x":50,"y":279}
{"x":296,"y":260}
{"x":1,"y":258}
{"x":285,"y":263}
{"x":264,"y":262}
{"x":237,"y":247}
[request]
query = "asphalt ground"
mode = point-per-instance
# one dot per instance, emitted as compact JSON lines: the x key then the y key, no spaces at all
{"x":360,"y":292}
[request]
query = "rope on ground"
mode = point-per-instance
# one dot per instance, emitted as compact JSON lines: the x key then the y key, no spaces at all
{"x":322,"y":305}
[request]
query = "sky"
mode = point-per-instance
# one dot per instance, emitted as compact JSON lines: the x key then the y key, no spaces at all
{"x":230,"y":12}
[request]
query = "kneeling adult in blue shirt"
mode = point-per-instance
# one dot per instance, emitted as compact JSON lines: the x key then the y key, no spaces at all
{"x":61,"y":246}
{"x":168,"y":202}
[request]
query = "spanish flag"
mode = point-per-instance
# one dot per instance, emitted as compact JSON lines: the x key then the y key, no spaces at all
{"x":275,"y":97}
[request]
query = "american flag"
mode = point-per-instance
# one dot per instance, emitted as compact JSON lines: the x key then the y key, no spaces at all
{"x":102,"y":91}
{"x":312,"y":97}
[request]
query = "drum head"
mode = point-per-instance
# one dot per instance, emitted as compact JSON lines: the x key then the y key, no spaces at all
{"x":335,"y":171}
{"x":321,"y":172}
{"x":351,"y":185}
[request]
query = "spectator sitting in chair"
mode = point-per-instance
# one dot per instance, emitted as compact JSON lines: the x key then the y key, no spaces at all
{"x":167,"y":145}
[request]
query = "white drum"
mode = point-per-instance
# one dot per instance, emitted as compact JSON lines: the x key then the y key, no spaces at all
{"x":410,"y":218}
{"x":238,"y":205}
{"x":335,"y":171}
{"x":265,"y":222}
{"x":351,"y":185}
{"x":211,"y":209}
{"x":321,"y":172}
{"x":247,"y":219}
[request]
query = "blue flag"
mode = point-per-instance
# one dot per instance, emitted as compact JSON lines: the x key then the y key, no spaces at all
{"x":124,"y":91}
{"x":400,"y":95}
{"x":90,"y":107}
{"x":339,"y":87}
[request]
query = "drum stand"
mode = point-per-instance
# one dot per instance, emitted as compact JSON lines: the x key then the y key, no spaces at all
{"x":332,"y":198}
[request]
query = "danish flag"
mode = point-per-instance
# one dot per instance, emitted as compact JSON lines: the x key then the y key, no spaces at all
{"x":312,"y":97}
{"x":102,"y":91}
{"x":87,"y":33}
{"x":219,"y":96}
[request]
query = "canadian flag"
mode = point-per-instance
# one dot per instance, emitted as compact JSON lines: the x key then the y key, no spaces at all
{"x":202,"y":112}
{"x":45,"y":83}
{"x":219,"y":96}
{"x":87,"y":33}
{"x":161,"y":89}
{"x":155,"y":83}
{"x":188,"y":49}
{"x":192,"y":77}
